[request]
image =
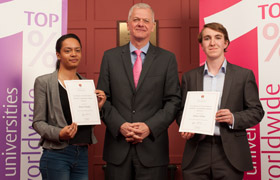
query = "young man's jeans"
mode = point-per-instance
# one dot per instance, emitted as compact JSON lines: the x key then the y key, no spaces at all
{"x":70,"y":163}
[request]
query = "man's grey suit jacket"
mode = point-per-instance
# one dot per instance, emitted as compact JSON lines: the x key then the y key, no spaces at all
{"x":155,"y":102}
{"x":240,"y":96}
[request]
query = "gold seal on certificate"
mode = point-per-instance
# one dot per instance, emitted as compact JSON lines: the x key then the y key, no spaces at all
{"x":200,"y":112}
{"x":83,"y":102}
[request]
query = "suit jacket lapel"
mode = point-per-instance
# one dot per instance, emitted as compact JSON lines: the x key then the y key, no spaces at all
{"x":147,"y":64}
{"x":126,"y":58}
{"x":227,"y":84}
{"x":56,"y":99}
{"x":199,"y":79}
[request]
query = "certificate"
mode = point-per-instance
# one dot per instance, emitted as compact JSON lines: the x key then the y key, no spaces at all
{"x":200,"y":112}
{"x":83,"y":102}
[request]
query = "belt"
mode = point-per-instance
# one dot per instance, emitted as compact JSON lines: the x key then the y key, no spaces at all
{"x":213,"y":139}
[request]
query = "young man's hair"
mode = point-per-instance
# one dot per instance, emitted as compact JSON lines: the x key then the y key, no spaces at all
{"x":216,"y":27}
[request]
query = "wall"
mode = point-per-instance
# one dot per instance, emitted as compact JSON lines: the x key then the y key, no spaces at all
{"x":95,"y":22}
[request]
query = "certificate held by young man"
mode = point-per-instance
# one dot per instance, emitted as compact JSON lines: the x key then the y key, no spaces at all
{"x":83,"y":102}
{"x":199,"y":112}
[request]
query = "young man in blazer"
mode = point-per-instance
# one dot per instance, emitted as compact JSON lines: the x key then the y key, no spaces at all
{"x":138,"y":110}
{"x":226,"y":155}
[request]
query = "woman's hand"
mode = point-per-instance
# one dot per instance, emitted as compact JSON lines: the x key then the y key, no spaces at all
{"x":101,"y":97}
{"x":68,"y":132}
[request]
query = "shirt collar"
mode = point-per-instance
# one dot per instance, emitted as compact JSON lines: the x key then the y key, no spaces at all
{"x":143,"y":49}
{"x":223,"y":68}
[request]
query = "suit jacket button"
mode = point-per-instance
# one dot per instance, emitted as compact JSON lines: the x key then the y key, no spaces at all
{"x":133,"y":111}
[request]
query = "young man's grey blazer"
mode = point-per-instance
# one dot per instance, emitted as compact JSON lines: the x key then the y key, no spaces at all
{"x":240,"y":96}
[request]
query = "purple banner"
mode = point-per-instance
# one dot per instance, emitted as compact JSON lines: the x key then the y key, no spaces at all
{"x":10,"y":105}
{"x":4,"y":1}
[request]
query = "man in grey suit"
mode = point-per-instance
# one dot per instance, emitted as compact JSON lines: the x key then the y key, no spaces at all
{"x":226,"y":155}
{"x":138,"y":112}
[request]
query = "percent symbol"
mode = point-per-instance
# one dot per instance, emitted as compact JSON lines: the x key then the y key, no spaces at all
{"x":43,"y":48}
{"x":274,"y":35}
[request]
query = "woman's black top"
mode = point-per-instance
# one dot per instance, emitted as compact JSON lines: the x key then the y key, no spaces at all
{"x":83,"y":135}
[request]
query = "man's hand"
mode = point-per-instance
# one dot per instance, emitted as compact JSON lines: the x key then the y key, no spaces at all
{"x":135,"y":132}
{"x":187,"y":135}
{"x":224,"y":115}
{"x":141,"y":131}
{"x":126,"y":130}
